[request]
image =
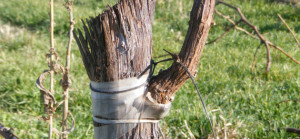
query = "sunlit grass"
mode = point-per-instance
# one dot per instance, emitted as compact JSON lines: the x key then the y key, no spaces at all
{"x":249,"y":103}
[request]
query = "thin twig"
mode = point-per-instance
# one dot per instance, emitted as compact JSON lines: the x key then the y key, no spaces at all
{"x":57,"y":105}
{"x":263,"y":40}
{"x":66,"y":80}
{"x":253,"y":61}
{"x":287,"y":26}
{"x":51,"y":62}
{"x":261,"y":37}
{"x":71,"y":129}
{"x":268,"y":42}
{"x":236,"y":26}
{"x":226,"y":32}
{"x":280,"y":49}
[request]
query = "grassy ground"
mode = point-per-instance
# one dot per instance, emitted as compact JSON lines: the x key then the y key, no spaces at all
{"x":241,"y":104}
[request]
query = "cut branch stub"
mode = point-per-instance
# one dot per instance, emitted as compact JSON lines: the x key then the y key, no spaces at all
{"x":118,"y":43}
{"x":166,"y":83}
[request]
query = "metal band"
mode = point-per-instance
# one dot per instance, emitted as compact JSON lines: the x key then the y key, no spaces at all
{"x":96,"y":124}
{"x":123,"y":121}
{"x":114,"y":92}
{"x":119,"y":86}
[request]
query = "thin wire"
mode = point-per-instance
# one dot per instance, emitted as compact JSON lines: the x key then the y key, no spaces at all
{"x":155,"y":63}
{"x":187,"y":70}
{"x":203,"y":104}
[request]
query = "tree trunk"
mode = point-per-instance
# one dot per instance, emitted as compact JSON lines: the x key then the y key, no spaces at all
{"x":117,"y":49}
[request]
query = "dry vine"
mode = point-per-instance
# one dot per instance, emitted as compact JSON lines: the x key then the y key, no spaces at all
{"x":50,"y":103}
{"x":257,"y":35}
{"x":66,"y":79}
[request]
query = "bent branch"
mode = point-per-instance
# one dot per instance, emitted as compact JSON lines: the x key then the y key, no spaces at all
{"x":164,"y":86}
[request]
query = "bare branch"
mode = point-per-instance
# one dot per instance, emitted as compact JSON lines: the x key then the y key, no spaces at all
{"x":283,"y":21}
{"x":266,"y":42}
{"x":226,"y":32}
{"x":236,"y":26}
{"x":261,"y":37}
{"x":281,"y":50}
{"x":66,"y":80}
{"x":167,"y":82}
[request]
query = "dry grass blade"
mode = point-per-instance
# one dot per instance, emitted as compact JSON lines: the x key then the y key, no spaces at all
{"x":189,"y":130}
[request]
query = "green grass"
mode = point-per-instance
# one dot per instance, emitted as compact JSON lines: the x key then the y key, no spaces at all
{"x":245,"y":104}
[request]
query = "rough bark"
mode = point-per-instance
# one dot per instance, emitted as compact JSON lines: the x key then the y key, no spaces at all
{"x":118,"y":44}
{"x":164,"y":86}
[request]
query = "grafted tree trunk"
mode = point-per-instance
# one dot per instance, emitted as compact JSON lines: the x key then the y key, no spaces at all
{"x":117,"y":45}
